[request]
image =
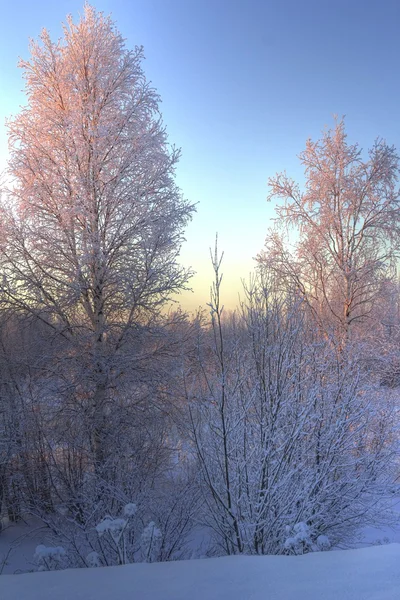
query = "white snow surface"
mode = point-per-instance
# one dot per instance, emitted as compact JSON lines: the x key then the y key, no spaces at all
{"x":362,"y":574}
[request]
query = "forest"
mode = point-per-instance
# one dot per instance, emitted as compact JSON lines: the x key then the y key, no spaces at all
{"x":130,"y":428}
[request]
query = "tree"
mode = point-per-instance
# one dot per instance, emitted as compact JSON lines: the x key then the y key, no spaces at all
{"x":97,"y":223}
{"x":294,"y":446}
{"x":347,"y":220}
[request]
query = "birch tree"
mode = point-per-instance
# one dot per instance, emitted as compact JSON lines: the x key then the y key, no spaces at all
{"x":97,"y":221}
{"x":346,"y":219}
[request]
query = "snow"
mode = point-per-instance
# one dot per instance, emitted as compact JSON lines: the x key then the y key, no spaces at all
{"x":130,"y":509}
{"x":372,"y":536}
{"x":18,"y":543}
{"x":112,"y":526}
{"x":49,"y":557}
{"x":323,"y":542}
{"x":362,"y":574}
{"x":49,"y":551}
{"x":301,"y":540}
{"x":93,"y":559}
{"x":150,"y":541}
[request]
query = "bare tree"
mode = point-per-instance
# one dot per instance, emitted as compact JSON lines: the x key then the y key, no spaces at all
{"x":293,"y":453}
{"x":346,"y":220}
{"x":97,"y":221}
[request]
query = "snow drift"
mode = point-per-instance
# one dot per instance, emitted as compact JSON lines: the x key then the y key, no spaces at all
{"x":363,"y":574}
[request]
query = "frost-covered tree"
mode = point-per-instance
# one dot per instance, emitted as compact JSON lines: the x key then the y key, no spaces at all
{"x":294,"y":454}
{"x":347,"y":223}
{"x":97,"y":222}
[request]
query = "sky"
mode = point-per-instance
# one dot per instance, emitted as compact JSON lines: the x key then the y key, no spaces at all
{"x":243,"y":84}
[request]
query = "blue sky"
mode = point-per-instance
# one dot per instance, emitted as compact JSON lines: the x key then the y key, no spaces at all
{"x":243,"y":84}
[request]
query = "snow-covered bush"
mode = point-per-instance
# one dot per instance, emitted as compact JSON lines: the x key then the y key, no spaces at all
{"x":109,"y":530}
{"x":150,"y":542}
{"x":115,"y":527}
{"x":300,"y":540}
{"x":323,"y":542}
{"x":93,"y":559}
{"x":130,"y":509}
{"x":50,"y":558}
{"x":118,"y":532}
{"x":286,"y":429}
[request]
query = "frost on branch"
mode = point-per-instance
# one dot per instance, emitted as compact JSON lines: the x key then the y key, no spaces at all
{"x":98,"y":223}
{"x":150,"y":542}
{"x":300,"y":540}
{"x":323,"y":542}
{"x":93,"y":559}
{"x":130,"y":509}
{"x":50,"y":558}
{"x":347,"y":224}
{"x":114,"y":527}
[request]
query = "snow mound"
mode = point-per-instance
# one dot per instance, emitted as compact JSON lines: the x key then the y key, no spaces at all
{"x":362,"y":574}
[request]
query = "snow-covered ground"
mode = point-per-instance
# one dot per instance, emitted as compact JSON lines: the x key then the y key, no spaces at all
{"x":367,"y":573}
{"x":18,"y":544}
{"x":383,"y":535}
{"x":362,"y":574}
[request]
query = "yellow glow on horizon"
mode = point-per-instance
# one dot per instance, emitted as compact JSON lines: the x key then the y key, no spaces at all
{"x":233,"y":271}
